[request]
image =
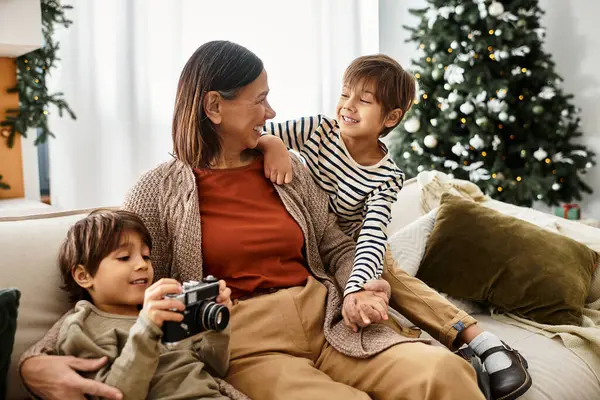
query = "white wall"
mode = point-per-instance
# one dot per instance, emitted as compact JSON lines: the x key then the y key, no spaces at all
{"x":571,"y":38}
{"x":20,"y":27}
{"x":572,"y":31}
{"x":393,"y":15}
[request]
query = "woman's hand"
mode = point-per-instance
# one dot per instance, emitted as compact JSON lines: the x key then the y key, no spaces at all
{"x":278,"y":165}
{"x":159,"y":309}
{"x":55,"y":377}
{"x":363,"y":308}
{"x":360,"y":309}
{"x":224,"y":296}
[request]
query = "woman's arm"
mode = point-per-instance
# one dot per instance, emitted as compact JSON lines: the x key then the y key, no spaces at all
{"x":56,"y":378}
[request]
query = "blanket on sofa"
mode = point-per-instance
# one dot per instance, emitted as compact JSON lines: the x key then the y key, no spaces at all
{"x":584,"y":340}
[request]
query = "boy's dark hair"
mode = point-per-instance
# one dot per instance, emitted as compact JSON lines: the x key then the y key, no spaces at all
{"x":394,"y":87}
{"x":90,"y":240}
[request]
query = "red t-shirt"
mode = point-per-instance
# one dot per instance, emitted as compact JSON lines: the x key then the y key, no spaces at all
{"x":248,"y":237}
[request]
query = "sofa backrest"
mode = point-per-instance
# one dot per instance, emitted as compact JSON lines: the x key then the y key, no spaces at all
{"x":28,"y":252}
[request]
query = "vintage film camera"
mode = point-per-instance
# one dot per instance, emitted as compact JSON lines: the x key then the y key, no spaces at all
{"x":201,"y":312}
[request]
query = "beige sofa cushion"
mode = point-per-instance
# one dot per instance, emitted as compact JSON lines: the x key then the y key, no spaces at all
{"x":28,"y":252}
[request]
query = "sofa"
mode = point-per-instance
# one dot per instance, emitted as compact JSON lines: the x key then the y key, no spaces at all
{"x":29,"y":246}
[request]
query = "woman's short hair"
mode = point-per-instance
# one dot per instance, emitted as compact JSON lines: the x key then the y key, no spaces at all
{"x":220,"y":66}
{"x":92,"y":239}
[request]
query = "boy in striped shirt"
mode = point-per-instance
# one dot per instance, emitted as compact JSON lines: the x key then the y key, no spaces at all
{"x":348,"y":160}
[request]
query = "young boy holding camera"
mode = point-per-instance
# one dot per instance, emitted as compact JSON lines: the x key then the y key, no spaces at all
{"x":106,"y":268}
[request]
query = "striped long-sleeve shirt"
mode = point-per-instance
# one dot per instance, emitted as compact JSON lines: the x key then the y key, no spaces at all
{"x":361,"y":196}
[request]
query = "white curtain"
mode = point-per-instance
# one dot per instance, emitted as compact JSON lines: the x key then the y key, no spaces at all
{"x":121,"y":59}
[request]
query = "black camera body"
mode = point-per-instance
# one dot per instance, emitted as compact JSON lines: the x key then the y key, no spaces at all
{"x":201,"y":312}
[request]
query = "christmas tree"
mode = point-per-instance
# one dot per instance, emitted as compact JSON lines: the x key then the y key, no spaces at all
{"x":490,"y":107}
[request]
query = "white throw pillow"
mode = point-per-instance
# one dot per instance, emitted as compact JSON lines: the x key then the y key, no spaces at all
{"x":408,"y":244}
{"x":408,"y":247}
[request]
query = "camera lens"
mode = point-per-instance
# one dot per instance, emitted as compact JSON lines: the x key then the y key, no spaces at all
{"x":213,"y":316}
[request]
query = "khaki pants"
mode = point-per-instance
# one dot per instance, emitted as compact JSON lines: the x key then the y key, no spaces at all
{"x":278,"y":351}
{"x":423,"y":306}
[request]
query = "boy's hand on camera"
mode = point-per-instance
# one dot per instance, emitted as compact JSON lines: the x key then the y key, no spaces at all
{"x":224,"y":296}
{"x":159,"y":309}
{"x":278,"y":164}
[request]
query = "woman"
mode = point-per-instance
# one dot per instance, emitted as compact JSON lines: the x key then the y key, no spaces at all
{"x":212,"y":211}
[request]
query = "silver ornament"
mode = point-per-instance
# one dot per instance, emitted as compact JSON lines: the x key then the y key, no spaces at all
{"x":540,"y":154}
{"x":430,"y":141}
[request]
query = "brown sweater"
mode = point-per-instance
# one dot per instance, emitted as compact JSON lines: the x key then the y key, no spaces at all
{"x":249,"y":239}
{"x":166,"y":198}
{"x":138,"y":363}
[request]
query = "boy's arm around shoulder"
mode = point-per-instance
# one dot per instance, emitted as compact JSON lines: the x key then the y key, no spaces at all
{"x":295,"y":133}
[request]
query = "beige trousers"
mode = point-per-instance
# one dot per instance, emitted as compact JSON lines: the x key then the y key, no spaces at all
{"x":424,"y":306}
{"x":278,"y":351}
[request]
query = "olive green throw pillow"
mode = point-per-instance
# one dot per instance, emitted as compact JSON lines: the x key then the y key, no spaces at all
{"x":482,"y":255}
